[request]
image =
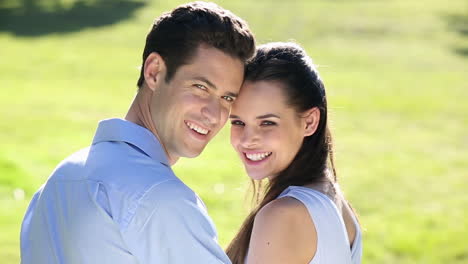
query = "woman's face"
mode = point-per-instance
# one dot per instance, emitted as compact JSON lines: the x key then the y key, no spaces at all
{"x":265,"y":131}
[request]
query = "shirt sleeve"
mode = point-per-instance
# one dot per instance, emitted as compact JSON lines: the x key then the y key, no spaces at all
{"x":171,"y":225}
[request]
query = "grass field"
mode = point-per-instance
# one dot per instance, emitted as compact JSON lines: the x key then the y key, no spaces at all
{"x":396,"y":72}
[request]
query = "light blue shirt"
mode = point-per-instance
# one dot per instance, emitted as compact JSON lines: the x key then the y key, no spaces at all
{"x":118,"y":201}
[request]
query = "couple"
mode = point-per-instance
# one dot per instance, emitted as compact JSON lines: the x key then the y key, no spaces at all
{"x":118,"y":201}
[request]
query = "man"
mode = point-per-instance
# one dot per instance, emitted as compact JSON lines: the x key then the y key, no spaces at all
{"x":118,"y":200}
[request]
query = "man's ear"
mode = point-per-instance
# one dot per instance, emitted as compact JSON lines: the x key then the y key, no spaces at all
{"x":312,"y":119}
{"x":154,"y":70}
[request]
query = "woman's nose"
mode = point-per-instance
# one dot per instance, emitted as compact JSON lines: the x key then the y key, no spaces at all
{"x":250,"y":137}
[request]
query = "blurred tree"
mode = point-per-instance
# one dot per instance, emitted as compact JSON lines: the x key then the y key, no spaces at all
{"x":39,"y":17}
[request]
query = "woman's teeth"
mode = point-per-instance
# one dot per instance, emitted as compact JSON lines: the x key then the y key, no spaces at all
{"x":258,"y":156}
{"x":197,"y":128}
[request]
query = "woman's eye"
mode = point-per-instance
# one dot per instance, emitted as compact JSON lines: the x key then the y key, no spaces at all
{"x":237,"y":123}
{"x":268,"y":123}
{"x":201,"y":87}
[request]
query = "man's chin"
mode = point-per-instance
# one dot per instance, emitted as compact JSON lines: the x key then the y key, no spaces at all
{"x":193,"y":153}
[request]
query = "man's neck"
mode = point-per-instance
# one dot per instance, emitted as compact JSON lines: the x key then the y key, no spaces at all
{"x":140,"y":114}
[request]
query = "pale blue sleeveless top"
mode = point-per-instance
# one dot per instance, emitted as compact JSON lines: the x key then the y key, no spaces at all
{"x":332,"y":238}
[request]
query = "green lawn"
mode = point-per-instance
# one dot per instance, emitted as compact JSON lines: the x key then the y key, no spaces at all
{"x":396,"y":73}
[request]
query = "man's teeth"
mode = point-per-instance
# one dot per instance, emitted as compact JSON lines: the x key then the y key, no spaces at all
{"x":197,"y":128}
{"x":258,"y":156}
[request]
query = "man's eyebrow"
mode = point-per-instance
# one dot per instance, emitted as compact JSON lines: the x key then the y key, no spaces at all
{"x":205,"y":80}
{"x":233,"y":116}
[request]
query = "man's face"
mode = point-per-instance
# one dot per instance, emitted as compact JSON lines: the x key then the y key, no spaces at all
{"x":193,"y":106}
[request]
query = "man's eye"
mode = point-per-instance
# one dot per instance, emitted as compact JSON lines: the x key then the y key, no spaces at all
{"x":237,"y":123}
{"x":228,"y":98}
{"x":201,"y":86}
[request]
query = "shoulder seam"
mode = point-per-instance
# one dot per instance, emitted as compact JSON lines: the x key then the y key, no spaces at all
{"x":132,"y":211}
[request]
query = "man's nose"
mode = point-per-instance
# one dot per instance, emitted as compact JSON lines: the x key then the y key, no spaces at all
{"x":212,"y":111}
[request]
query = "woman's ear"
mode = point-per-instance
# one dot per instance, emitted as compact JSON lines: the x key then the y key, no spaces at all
{"x":312,"y":119}
{"x":153,"y":71}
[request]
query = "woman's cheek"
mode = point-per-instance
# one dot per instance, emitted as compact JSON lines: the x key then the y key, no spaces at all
{"x":235,"y":135}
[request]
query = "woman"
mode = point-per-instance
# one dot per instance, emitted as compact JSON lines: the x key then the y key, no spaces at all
{"x":279,"y":129}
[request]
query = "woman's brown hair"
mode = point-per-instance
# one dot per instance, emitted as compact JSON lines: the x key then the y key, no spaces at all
{"x":288,"y":63}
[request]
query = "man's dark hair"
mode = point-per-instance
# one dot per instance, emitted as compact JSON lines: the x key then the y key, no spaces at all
{"x":177,"y":35}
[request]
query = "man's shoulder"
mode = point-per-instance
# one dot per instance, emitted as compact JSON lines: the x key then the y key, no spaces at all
{"x":112,"y":161}
{"x":124,"y":173}
{"x":172,"y":191}
{"x":122,"y":163}
{"x":164,"y":199}
{"x":70,"y":167}
{"x":172,"y":200}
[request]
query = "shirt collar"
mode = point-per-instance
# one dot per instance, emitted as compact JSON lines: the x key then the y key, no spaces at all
{"x":117,"y":129}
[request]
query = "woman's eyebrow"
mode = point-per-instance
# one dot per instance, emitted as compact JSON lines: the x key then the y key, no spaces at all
{"x":267,"y":116}
{"x":259,"y":117}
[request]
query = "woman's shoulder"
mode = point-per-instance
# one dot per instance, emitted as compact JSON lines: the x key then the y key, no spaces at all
{"x":284,"y":211}
{"x":284,"y":226}
{"x":287,"y":206}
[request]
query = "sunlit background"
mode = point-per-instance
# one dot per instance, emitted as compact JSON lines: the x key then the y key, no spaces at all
{"x":396,"y":73}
